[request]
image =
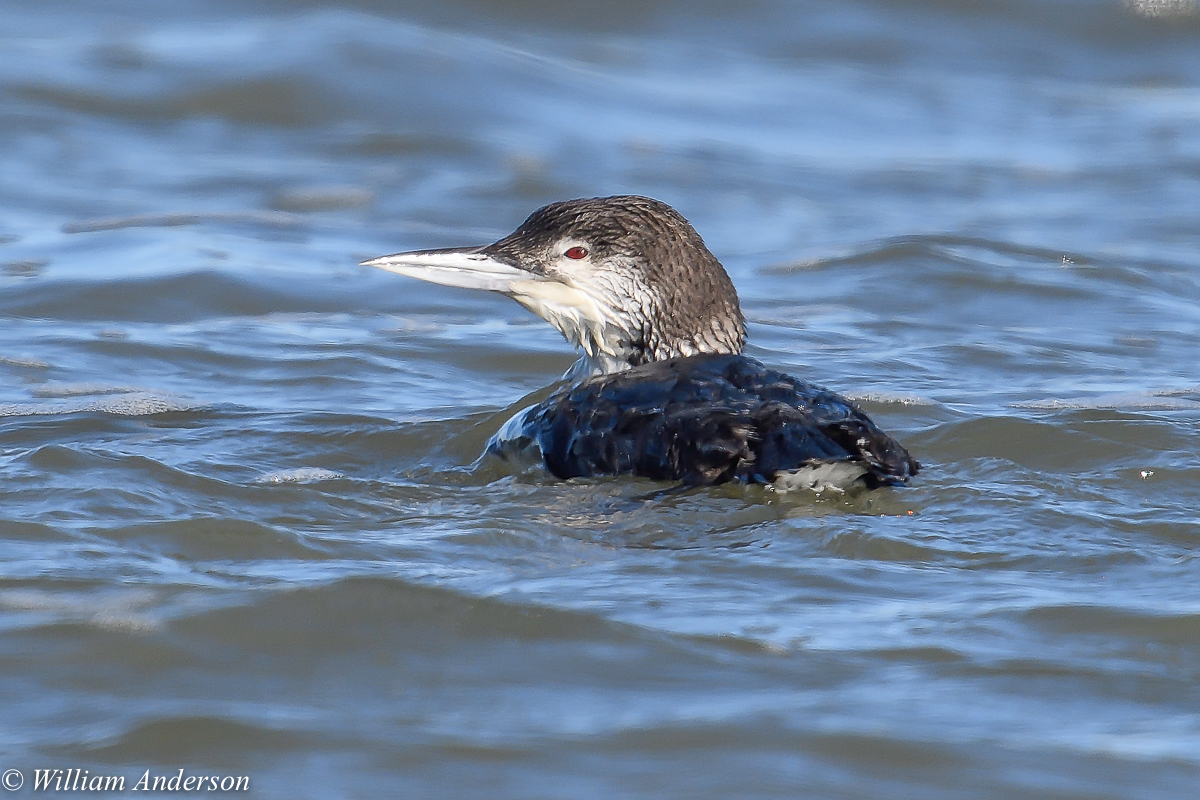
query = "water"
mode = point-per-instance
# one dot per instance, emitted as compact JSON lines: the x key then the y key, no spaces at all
{"x":240,"y":533}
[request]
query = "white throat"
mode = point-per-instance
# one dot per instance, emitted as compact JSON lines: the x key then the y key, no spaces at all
{"x":586,"y":323}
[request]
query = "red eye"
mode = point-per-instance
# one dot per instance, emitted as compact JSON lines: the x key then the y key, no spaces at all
{"x":577,"y":252}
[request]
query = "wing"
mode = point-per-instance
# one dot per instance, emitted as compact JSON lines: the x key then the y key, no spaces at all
{"x":708,"y":419}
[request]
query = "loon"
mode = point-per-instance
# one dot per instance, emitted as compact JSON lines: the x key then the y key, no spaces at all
{"x":663,"y":390}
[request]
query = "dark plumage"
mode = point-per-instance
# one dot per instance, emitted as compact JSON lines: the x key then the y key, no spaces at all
{"x":665,"y":393}
{"x":708,"y":419}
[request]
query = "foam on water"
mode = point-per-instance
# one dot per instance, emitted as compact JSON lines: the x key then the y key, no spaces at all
{"x":134,"y":403}
{"x":130,"y":610}
{"x":298,"y":475}
{"x":1163,"y":400}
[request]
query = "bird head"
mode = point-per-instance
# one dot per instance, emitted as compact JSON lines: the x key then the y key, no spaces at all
{"x":626,"y":279}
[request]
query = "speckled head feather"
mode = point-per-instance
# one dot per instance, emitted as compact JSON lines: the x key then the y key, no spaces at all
{"x":659,"y":289}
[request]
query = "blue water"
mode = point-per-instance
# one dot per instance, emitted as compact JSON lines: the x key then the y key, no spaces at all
{"x":242,"y":531}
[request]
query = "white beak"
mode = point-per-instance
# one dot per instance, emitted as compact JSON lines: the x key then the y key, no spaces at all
{"x":463,"y":268}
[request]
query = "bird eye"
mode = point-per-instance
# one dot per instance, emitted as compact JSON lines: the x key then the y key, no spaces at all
{"x":576,"y":252}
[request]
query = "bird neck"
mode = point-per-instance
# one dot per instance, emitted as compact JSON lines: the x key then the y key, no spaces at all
{"x":621,"y":354}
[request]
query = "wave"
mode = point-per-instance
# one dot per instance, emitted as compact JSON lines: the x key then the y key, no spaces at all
{"x":136,"y":403}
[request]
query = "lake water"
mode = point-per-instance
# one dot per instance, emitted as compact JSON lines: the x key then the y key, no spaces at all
{"x":240,"y":529}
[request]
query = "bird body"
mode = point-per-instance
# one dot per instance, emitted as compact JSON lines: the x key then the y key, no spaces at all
{"x":662,"y":390}
{"x":707,"y":419}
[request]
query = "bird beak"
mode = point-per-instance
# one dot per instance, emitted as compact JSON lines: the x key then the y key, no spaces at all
{"x":575,"y":312}
{"x":463,"y":268}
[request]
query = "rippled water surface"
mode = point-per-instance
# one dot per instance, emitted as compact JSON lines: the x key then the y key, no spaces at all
{"x":241,"y":527}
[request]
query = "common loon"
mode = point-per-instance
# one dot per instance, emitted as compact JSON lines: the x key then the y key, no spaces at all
{"x":663,"y":390}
